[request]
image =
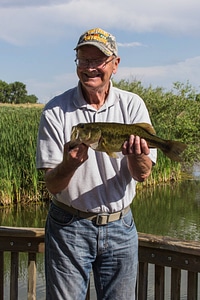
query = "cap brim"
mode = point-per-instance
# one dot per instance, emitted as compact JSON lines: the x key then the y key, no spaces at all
{"x":99,"y":46}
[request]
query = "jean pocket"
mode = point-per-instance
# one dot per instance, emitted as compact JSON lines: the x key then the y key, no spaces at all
{"x":60,"y":216}
{"x":128,"y":221}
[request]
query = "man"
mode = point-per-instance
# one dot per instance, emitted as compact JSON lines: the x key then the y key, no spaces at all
{"x":90,"y":224}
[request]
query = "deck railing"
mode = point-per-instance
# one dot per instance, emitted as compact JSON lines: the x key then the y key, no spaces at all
{"x":169,"y":252}
{"x":159,"y":252}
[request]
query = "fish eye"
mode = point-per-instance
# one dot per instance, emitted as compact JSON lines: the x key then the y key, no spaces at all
{"x":81,"y":125}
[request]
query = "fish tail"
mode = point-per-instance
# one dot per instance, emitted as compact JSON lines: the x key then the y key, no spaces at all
{"x":174,"y":149}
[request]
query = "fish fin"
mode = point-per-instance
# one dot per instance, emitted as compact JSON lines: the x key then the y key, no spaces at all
{"x":111,"y":154}
{"x":174,"y":149}
{"x":146,"y":126}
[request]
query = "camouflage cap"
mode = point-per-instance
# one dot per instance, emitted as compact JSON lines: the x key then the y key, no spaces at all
{"x":99,"y":38}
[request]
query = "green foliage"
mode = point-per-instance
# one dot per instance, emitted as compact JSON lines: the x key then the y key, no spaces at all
{"x":15,"y":93}
{"x":175,"y":114}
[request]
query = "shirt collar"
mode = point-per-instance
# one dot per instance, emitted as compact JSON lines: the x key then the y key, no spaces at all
{"x":80,"y":102}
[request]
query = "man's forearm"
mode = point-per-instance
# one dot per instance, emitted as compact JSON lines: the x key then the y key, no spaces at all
{"x":57,"y":179}
{"x":139,"y":166}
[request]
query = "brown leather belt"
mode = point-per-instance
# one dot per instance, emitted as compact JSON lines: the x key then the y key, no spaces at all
{"x":99,"y":219}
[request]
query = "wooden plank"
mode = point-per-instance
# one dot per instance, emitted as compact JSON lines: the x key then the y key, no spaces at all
{"x":143,"y":280}
{"x":21,"y":231}
{"x":159,"y":282}
{"x":192,"y":287}
{"x":1,"y":275}
{"x":175,"y":284}
{"x":14,"y":276}
{"x":32,"y":276}
{"x":21,"y":244}
{"x":168,"y":258}
{"x":169,"y":243}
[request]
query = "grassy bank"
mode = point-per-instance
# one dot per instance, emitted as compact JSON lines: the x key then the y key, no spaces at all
{"x":174,"y":117}
{"x":19,"y":179}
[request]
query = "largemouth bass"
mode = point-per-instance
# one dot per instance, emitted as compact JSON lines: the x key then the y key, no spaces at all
{"x":109,"y":138}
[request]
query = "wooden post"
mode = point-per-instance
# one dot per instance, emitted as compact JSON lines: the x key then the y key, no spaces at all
{"x":175,"y":283}
{"x":192,"y":285}
{"x":159,"y":282}
{"x":1,"y":275}
{"x":32,"y":276}
{"x":14,"y":276}
{"x":143,"y":280}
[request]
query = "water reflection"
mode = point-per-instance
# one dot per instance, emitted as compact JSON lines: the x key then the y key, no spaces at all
{"x":30,"y":215}
{"x":171,"y":210}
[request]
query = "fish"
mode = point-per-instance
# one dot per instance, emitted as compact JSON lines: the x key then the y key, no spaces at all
{"x":109,"y":137}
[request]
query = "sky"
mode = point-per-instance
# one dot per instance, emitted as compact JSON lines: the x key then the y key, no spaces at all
{"x":158,"y":41}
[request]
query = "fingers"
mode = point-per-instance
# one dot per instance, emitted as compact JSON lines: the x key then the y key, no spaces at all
{"x":135,"y":145}
{"x":76,"y":155}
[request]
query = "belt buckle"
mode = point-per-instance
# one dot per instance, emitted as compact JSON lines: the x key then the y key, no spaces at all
{"x":102,"y":219}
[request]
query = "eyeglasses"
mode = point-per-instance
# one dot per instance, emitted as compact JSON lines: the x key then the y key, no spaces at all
{"x":95,"y":63}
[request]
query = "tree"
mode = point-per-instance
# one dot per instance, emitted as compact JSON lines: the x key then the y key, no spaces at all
{"x":18,"y":92}
{"x":31,"y":99}
{"x":4,"y":91}
{"x":15,"y":93}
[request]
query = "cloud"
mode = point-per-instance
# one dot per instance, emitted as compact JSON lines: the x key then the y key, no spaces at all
{"x":25,"y":3}
{"x":24,"y":21}
{"x":131,"y":45}
{"x":164,"y":76}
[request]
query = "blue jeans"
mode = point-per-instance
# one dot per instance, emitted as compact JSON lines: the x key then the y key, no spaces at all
{"x":74,"y":247}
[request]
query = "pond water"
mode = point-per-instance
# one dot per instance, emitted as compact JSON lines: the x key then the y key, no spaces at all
{"x":171,"y":210}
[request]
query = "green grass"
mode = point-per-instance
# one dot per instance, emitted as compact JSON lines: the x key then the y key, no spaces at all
{"x":19,"y":179}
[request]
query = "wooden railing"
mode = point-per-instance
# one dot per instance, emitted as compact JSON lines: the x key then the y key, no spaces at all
{"x":173,"y":253}
{"x":16,"y":240}
{"x":161,"y":252}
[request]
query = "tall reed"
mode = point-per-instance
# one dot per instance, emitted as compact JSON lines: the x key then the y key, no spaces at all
{"x":19,"y":179}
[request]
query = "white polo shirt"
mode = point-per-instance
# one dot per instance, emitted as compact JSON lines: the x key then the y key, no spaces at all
{"x":102,"y":183}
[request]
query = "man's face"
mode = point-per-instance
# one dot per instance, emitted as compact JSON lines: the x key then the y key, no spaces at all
{"x":94,"y":67}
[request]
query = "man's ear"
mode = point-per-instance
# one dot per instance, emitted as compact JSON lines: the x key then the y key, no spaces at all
{"x":116,"y":63}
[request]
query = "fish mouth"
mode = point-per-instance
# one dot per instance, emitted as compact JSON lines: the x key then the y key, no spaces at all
{"x":76,"y":135}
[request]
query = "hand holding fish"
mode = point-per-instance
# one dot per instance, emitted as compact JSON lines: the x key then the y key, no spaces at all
{"x":135,"y":145}
{"x":136,"y":149}
{"x":75,"y":156}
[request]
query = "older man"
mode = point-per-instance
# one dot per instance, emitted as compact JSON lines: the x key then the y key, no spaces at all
{"x":90,"y":224}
